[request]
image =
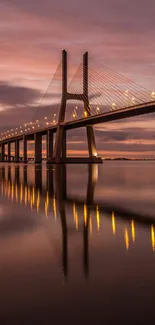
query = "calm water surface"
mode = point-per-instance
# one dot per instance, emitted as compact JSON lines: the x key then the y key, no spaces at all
{"x":77,"y":244}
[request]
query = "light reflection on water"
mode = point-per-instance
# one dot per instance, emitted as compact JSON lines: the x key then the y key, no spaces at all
{"x":65,"y":240}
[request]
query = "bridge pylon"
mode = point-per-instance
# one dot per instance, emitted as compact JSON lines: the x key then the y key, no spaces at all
{"x":59,"y":152}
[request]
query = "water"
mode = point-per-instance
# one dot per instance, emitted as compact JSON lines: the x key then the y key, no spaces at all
{"x":77,"y":244}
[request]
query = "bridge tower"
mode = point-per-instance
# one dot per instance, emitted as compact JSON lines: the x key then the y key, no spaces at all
{"x":59,"y":152}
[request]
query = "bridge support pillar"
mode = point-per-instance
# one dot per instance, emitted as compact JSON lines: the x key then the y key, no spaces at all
{"x":64,"y":145}
{"x":91,"y":142}
{"x":9,"y":151}
{"x":49,"y":145}
{"x":59,"y":153}
{"x":38,"y":148}
{"x":24,"y":149}
{"x":2,"y":152}
{"x":17,"y":151}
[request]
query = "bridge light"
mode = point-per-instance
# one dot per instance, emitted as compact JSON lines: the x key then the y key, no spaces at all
{"x":85,"y":114}
{"x":133,"y":100}
{"x":47,"y":123}
{"x":32,"y":127}
{"x":113,"y":105}
{"x":53,"y":121}
{"x":37,"y":121}
{"x":45,"y":117}
{"x":76,"y":107}
{"x":24,"y":124}
{"x":153,"y":94}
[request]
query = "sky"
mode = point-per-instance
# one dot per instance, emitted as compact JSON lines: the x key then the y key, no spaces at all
{"x":117,"y":33}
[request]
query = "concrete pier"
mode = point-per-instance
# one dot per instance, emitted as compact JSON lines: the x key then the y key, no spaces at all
{"x":9,"y":152}
{"x":49,"y":145}
{"x":17,"y":151}
{"x":24,"y":149}
{"x":38,"y":148}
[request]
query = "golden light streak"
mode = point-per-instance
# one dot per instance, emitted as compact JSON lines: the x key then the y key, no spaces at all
{"x":46,"y":210}
{"x":31,"y":202}
{"x":85,"y":214}
{"x":33,"y":196}
{"x":74,"y":211}
{"x":77,"y":221}
{"x":153,"y":237}
{"x":54,"y":207}
{"x":12,"y":192}
{"x":90,"y":225}
{"x":75,"y":216}
{"x":25,"y":195}
{"x":29,"y":195}
{"x":16,"y":189}
{"x":126,"y":239}
{"x":38,"y":200}
{"x":46,"y":205}
{"x":133,"y":233}
{"x":113,"y":223}
{"x":21,"y":193}
{"x":98,"y":218}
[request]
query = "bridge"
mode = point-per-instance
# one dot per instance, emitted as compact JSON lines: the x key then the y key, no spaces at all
{"x":118,"y":104}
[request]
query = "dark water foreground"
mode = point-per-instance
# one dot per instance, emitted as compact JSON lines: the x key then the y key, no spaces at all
{"x":77,"y":244}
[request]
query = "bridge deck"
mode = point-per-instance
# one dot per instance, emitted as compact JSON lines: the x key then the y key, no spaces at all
{"x":137,"y":110}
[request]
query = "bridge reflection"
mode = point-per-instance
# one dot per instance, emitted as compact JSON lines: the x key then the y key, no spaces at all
{"x":52,"y":199}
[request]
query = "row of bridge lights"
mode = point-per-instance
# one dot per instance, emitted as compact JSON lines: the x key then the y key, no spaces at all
{"x":27,"y":128}
{"x":74,"y":115}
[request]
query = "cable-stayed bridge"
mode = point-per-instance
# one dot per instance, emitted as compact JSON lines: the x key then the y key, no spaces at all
{"x":103,"y":96}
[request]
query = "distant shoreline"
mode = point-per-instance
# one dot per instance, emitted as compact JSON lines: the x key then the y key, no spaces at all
{"x":130,"y":159}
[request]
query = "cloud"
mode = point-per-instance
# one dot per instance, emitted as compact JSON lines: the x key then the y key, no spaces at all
{"x":17,"y":95}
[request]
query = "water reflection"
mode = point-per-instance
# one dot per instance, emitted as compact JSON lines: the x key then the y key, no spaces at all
{"x":52,"y":199}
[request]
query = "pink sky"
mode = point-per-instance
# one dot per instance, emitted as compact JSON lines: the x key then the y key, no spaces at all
{"x":118,"y":33}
